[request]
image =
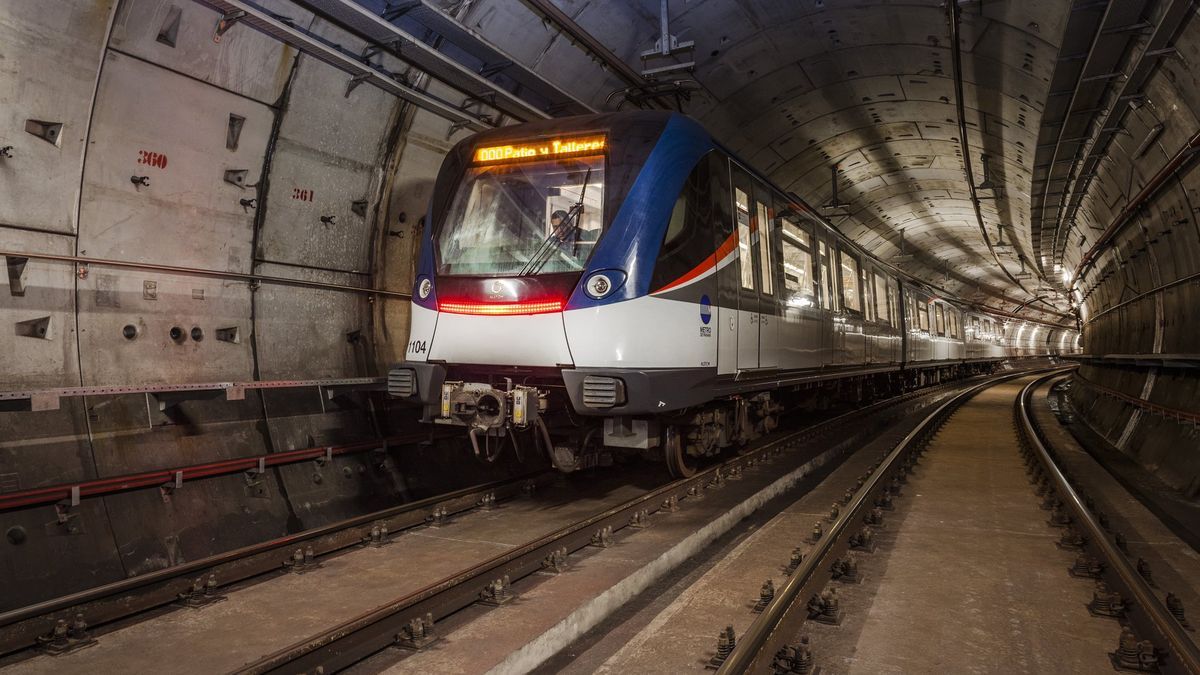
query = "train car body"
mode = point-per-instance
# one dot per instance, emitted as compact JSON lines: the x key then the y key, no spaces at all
{"x":627,"y":270}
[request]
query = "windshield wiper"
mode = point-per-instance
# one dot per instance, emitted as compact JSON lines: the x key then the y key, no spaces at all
{"x":569,"y":226}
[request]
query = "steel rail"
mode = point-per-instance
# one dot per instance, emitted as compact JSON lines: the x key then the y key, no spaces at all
{"x":47,"y":399}
{"x":357,"y":638}
{"x":201,"y":272}
{"x":1146,"y":612}
{"x":174,"y":477}
{"x":21,"y":627}
{"x":777,"y":625}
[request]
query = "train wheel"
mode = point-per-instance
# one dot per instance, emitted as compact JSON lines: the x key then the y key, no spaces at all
{"x":677,"y":460}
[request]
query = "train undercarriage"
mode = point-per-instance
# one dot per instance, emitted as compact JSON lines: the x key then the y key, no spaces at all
{"x":535,"y":413}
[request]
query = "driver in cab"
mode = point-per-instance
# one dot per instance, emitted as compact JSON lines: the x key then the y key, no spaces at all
{"x":562,"y":228}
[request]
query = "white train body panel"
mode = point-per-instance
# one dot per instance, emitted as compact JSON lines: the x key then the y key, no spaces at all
{"x":534,"y":340}
{"x":646,"y":332}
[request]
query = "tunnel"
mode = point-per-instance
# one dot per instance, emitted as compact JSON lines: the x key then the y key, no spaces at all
{"x":222,"y":222}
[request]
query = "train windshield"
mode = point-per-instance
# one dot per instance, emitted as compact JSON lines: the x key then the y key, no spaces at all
{"x":525,"y":218}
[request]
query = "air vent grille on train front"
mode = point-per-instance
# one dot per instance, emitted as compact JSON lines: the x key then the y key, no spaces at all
{"x":603,"y":392}
{"x":402,"y":382}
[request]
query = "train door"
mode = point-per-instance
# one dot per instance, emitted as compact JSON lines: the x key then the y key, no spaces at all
{"x":852,"y":314}
{"x":728,"y":277}
{"x":801,"y":322}
{"x":870,"y":313}
{"x":747,"y":307}
{"x":757,"y":328}
{"x":768,"y":305}
{"x":832,"y":337}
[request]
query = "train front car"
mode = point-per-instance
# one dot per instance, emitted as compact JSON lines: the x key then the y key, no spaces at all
{"x":532,"y":310}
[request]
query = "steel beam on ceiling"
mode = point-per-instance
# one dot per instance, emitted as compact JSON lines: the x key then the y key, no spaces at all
{"x":588,"y":42}
{"x":461,"y":57}
{"x":282,"y":29}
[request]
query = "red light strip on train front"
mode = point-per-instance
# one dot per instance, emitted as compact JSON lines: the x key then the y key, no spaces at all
{"x":500,"y":308}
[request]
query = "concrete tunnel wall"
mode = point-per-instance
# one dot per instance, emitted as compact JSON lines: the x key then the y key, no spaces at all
{"x":141,"y":89}
{"x":1142,"y":296}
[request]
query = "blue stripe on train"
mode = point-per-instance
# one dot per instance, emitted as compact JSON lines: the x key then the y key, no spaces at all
{"x":635,"y":236}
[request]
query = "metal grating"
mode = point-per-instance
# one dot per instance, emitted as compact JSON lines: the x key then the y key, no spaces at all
{"x":402,"y":382}
{"x":9,"y":482}
{"x":602,"y":392}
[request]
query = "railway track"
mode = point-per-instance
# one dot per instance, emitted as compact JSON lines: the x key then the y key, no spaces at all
{"x":26,"y":627}
{"x":406,"y":620}
{"x":1153,"y":638}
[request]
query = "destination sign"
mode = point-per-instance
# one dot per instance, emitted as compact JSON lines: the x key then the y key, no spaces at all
{"x":539,"y":150}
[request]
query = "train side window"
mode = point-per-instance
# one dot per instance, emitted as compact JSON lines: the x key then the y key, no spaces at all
{"x":940,"y":317}
{"x":693,"y":227}
{"x":893,"y":305}
{"x":763,"y":224}
{"x":678,"y":218}
{"x":953,"y":324}
{"x":745,"y":253}
{"x":883,"y":308}
{"x":923,"y":315}
{"x":827,"y":295}
{"x":798,"y":279}
{"x":851,"y":299}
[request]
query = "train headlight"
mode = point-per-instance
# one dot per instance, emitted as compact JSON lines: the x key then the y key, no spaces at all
{"x":424,"y":288}
{"x":601,"y":284}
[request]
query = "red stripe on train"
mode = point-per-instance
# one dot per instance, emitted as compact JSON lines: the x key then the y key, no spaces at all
{"x":711,"y":261}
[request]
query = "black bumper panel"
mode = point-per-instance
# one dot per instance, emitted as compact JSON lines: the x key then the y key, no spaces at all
{"x":647,"y":392}
{"x":429,"y":379}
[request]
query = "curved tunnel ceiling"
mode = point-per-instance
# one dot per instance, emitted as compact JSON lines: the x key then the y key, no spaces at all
{"x":798,"y":87}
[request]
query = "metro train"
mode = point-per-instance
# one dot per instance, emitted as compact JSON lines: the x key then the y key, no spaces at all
{"x":619,"y":284}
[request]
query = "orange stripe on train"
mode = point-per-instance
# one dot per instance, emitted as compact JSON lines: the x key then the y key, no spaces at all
{"x":710,"y":262}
